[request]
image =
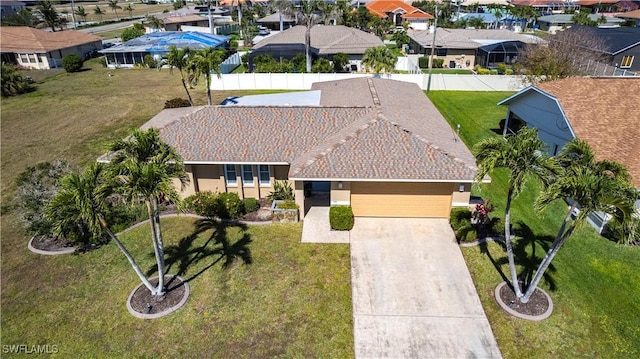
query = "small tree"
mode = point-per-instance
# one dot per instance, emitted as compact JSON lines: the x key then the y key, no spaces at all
{"x":80,"y":11}
{"x":131,"y":33}
{"x":48,"y":14}
{"x":379,"y":59}
{"x":99,"y":12}
{"x":129,"y":9}
{"x":179,"y":59}
{"x":340,"y":62}
{"x":113,"y":4}
{"x":13,"y":83}
{"x":72,"y":63}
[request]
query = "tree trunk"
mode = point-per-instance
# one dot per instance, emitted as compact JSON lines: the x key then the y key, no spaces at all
{"x":507,"y":239}
{"x":154,"y":238}
{"x":307,"y":46}
{"x":186,"y":89}
{"x":208,"y":88}
{"x":551,"y":253}
{"x":129,"y":257}
{"x":160,"y":240}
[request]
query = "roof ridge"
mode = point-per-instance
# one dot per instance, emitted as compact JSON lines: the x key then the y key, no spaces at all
{"x":344,"y":138}
{"x":374,"y":92}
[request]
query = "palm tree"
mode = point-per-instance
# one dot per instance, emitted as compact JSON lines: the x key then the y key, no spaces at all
{"x":48,"y":13}
{"x":179,"y":58}
{"x":206,"y":62}
{"x":306,"y":15}
{"x":379,"y":59}
{"x":145,"y":167}
{"x":155,"y":23}
{"x":524,"y":155}
{"x":82,"y":200}
{"x":128,"y":9}
{"x":98,"y":11}
{"x":593,"y":186}
{"x":80,"y":11}
{"x":113,"y":4}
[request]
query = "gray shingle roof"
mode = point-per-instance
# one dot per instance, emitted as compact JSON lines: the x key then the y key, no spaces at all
{"x":383,"y":129}
{"x":468,"y":38}
{"x":325,"y":39}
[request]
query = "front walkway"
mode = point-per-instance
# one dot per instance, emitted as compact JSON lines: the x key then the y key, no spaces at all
{"x":413,"y":296}
{"x":316,"y":228}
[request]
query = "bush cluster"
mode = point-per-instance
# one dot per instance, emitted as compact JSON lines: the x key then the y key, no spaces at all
{"x":341,"y":218}
{"x":423,"y":62}
{"x":176,"y":102}
{"x":72,"y":63}
{"x":225,"y":205}
{"x":287,"y":204}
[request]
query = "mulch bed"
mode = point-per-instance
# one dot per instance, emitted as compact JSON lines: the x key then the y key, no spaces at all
{"x":51,"y":244}
{"x":142,"y":297}
{"x":537,"y":304}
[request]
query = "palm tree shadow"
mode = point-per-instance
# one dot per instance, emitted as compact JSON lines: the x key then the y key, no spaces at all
{"x":217,"y":247}
{"x":529,"y":263}
{"x":497,"y":264}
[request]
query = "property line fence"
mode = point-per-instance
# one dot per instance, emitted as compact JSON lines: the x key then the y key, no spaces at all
{"x":594,"y":68}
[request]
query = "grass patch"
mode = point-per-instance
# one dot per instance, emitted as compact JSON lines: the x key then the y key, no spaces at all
{"x":111,"y":34}
{"x":294,"y":299}
{"x":448,"y":71}
{"x":592,"y":281}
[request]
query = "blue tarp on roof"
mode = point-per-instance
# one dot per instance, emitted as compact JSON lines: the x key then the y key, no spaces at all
{"x":159,"y":42}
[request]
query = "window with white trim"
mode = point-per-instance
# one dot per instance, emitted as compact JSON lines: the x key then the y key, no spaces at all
{"x":626,"y":62}
{"x":230,"y":174}
{"x":247,"y":175}
{"x":265,"y":175}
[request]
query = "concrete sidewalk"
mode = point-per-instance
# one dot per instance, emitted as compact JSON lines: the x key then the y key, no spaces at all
{"x":413,"y":296}
{"x":316,"y":228}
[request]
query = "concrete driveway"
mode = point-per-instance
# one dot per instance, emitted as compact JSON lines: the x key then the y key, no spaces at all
{"x":413,"y":296}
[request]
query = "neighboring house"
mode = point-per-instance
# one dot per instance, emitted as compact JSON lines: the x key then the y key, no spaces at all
{"x":464,"y":48}
{"x":608,"y":6}
{"x":620,"y":44}
{"x":378,"y":145}
{"x":175,"y":23}
{"x":548,"y":7}
{"x":326,"y":41}
{"x":559,"y":22}
{"x":272,"y":21}
{"x":489,"y":19}
{"x":10,"y":7}
{"x":37,"y":49}
{"x":398,"y":12}
{"x":631,"y":16}
{"x":601,"y":111}
{"x":157,"y":44}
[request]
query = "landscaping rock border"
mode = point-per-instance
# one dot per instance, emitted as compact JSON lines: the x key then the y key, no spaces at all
{"x":165,"y":312}
{"x":49,"y":253}
{"x":506,"y":308}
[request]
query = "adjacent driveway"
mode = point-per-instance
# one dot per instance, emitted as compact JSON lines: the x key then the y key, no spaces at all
{"x":413,"y":296}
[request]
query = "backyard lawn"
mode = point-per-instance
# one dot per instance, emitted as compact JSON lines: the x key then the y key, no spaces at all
{"x":593,"y":282}
{"x":293,"y":300}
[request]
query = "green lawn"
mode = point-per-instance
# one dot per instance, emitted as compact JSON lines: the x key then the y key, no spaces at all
{"x":593,"y":282}
{"x":294,"y":300}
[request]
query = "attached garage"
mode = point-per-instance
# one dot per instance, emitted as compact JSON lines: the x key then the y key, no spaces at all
{"x":401,"y":199}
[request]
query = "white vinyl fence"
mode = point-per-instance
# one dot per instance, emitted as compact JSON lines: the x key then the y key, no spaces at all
{"x":286,"y":81}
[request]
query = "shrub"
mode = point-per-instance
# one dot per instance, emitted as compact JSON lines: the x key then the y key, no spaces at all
{"x":341,"y":218}
{"x":438,"y":63}
{"x":150,"y":62}
{"x":423,"y":62}
{"x":287,"y":204}
{"x":281,"y":191}
{"x":72,"y":63}
{"x":202,"y":203}
{"x":508,"y":72}
{"x":501,"y":67}
{"x":131,"y":33}
{"x":470,"y":236}
{"x":624,"y":232}
{"x":459,"y":217}
{"x":497,"y":226}
{"x":483,"y":71}
{"x":228,"y":206}
{"x":13,"y":83}
{"x":251,"y":205}
{"x":177,"y":102}
{"x":493,"y":72}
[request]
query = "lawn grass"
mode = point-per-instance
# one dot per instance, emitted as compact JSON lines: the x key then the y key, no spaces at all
{"x":111,"y":34}
{"x":593,"y":282}
{"x":293,"y":299}
{"x":448,"y":71}
{"x":139,"y":10}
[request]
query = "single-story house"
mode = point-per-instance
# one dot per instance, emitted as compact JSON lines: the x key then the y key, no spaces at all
{"x":548,"y":7}
{"x":464,"y":48}
{"x":272,"y":21}
{"x":608,"y":6}
{"x":620,"y":44}
{"x":38,"y":49}
{"x":601,"y":111}
{"x":558,"y":22}
{"x":8,"y":7}
{"x":175,"y":23}
{"x":384,"y":149}
{"x":326,"y":41}
{"x":157,"y":44}
{"x":398,"y":12}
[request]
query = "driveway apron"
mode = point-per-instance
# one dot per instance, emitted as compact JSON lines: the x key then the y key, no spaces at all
{"x":413,"y":296}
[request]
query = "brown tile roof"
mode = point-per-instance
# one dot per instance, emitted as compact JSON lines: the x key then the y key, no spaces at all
{"x":382,"y":7}
{"x":28,"y":40}
{"x":635,"y":14}
{"x":604,"y":112}
{"x":383,"y":129}
{"x":325,"y":39}
{"x":184,"y":18}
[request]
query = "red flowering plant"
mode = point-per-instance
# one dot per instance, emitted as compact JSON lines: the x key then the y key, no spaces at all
{"x":480,"y":218}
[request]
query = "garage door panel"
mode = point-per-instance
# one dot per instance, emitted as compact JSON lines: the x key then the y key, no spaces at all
{"x":370,"y":199}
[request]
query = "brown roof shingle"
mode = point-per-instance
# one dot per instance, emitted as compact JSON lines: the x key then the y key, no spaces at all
{"x":27,"y":39}
{"x":604,"y":112}
{"x":384,"y":129}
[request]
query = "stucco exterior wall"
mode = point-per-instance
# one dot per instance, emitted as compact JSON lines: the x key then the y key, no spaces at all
{"x":340,"y":196}
{"x":461,"y":198}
